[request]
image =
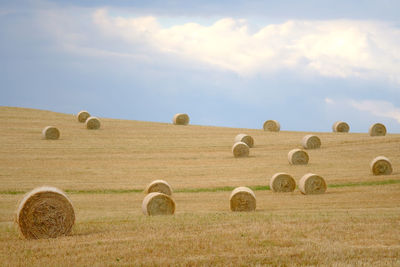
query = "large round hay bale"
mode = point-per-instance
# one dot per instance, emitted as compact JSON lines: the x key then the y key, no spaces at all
{"x":311,"y":141}
{"x":92,"y":123}
{"x":377,"y":129}
{"x":282,"y":182}
{"x":245,"y":138}
{"x":51,"y":132}
{"x":298,"y":157}
{"x":240,"y":149}
{"x":272,"y":126}
{"x":312,"y":184}
{"x":381,"y":166}
{"x":242,"y":199}
{"x":83,"y":116}
{"x":340,"y":127}
{"x":45,"y":212}
{"x":181,"y":119}
{"x":160,"y":186}
{"x":157,"y":203}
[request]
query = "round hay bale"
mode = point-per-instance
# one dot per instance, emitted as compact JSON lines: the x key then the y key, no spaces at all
{"x":51,"y":132}
{"x":45,"y":212}
{"x":157,"y":203}
{"x":160,"y":186}
{"x":240,"y":149}
{"x":377,"y":129}
{"x":92,"y":123}
{"x":282,"y":182}
{"x":83,"y":116}
{"x":245,"y":138}
{"x":181,"y":119}
{"x":272,"y":126}
{"x":311,"y":141}
{"x":242,"y":199}
{"x":340,"y":127}
{"x":298,"y":157}
{"x":381,"y":166}
{"x":311,"y":184}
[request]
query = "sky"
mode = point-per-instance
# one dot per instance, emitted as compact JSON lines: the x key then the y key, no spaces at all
{"x":231,"y":63}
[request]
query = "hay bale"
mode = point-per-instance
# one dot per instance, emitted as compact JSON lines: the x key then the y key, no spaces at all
{"x":282,"y":182}
{"x":245,"y":138}
{"x":272,"y":126}
{"x":377,"y":129}
{"x":240,"y":149}
{"x":160,"y":186}
{"x":83,"y":116}
{"x":311,"y":184}
{"x":298,"y":157}
{"x":311,"y":141}
{"x":181,"y":119}
{"x":242,"y":199}
{"x":381,"y":166}
{"x":51,"y":132}
{"x":157,"y":203}
{"x":340,"y":127}
{"x":45,"y":212}
{"x":92,"y":123}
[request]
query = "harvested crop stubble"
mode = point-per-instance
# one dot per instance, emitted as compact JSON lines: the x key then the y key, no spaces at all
{"x":381,"y":166}
{"x":311,"y":141}
{"x":242,"y":199}
{"x":157,"y":203}
{"x":181,"y":119}
{"x":272,"y":126}
{"x":160,"y":186}
{"x":92,"y":123}
{"x":83,"y":116}
{"x":312,"y":184}
{"x":298,"y":157}
{"x":377,"y":129}
{"x":282,"y":182}
{"x":245,"y":138}
{"x":340,"y":127}
{"x":45,"y":212}
{"x":240,"y":149}
{"x":51,"y":132}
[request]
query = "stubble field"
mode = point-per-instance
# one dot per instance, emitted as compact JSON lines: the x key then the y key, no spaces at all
{"x":357,"y":221}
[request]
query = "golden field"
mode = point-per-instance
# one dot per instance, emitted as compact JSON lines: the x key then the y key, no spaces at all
{"x":357,"y":221}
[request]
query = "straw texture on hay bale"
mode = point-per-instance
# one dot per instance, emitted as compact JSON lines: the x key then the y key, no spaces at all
{"x":381,"y":166}
{"x":51,"y":132}
{"x":240,"y":149}
{"x":312,"y":184}
{"x":377,"y":129}
{"x":83,"y":116}
{"x":242,"y":199}
{"x":157,"y":203}
{"x":298,"y":157}
{"x":311,"y":141}
{"x":181,"y":119}
{"x":340,"y":127}
{"x":272,"y":126}
{"x":45,"y":212}
{"x":160,"y":186}
{"x":92,"y":123}
{"x":245,"y":138}
{"x":282,"y":182}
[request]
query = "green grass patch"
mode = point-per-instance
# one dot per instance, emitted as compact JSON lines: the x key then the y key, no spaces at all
{"x":200,"y":190}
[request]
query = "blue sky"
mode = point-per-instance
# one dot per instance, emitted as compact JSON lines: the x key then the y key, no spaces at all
{"x":306,"y":64}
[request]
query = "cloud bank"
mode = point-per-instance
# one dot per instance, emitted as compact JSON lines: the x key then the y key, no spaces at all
{"x":333,"y":48}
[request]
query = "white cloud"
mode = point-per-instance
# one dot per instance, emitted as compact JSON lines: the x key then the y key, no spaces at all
{"x":335,"y":48}
{"x":377,"y":108}
{"x":329,"y":100}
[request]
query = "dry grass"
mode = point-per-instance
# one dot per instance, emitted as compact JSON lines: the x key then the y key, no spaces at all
{"x":350,"y":225}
